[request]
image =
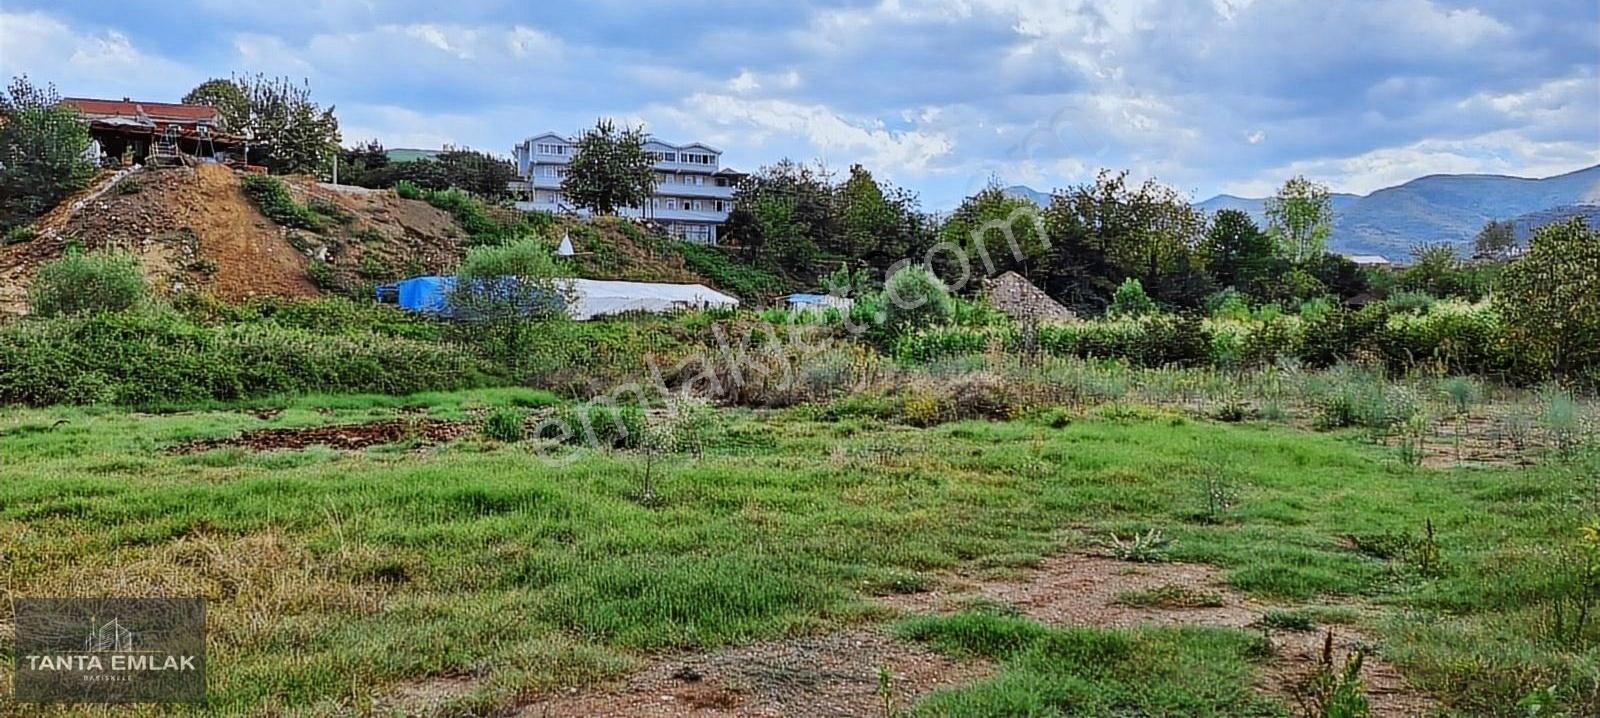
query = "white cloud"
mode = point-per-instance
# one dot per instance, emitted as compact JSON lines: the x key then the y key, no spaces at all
{"x":103,"y":64}
{"x":1255,"y":138}
{"x":755,"y":122}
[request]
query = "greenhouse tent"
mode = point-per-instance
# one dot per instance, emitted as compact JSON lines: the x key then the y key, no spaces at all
{"x":589,"y":297}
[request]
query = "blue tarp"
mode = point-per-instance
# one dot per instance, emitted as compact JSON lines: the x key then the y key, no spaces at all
{"x":419,"y":294}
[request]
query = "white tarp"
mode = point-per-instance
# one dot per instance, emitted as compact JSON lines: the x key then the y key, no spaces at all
{"x":592,"y":298}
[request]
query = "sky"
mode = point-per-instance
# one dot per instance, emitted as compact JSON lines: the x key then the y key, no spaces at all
{"x":940,"y":96}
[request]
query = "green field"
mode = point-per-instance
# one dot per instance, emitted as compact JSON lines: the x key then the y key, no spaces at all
{"x":335,"y":578}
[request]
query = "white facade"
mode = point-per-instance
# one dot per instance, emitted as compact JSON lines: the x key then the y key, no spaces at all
{"x":693,"y":197}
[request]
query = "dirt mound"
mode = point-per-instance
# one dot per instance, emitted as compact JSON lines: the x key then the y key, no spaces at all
{"x":189,"y":227}
{"x":1018,"y":298}
{"x":338,"y":436}
{"x":381,"y":237}
{"x":194,"y":228}
{"x":835,"y":675}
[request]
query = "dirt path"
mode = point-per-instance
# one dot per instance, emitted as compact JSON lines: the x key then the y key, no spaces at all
{"x":837,"y":675}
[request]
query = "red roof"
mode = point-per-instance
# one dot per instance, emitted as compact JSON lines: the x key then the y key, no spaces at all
{"x":160,"y":111}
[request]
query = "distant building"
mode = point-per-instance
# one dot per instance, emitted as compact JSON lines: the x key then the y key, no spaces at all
{"x":1374,"y":261}
{"x":693,"y":197}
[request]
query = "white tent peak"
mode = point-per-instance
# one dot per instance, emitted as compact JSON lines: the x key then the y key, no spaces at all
{"x":565,"y":250}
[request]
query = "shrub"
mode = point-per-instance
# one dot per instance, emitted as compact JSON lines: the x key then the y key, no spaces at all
{"x":80,"y":283}
{"x":144,"y":358}
{"x":19,"y":234}
{"x":1550,"y":299}
{"x":406,"y":189}
{"x":914,"y":297}
{"x":1130,"y":300}
{"x":504,"y":424}
{"x":272,"y":196}
{"x":597,"y":425}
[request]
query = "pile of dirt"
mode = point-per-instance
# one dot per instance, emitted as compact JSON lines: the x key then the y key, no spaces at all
{"x":194,"y":228}
{"x":338,"y":436}
{"x":1013,"y":295}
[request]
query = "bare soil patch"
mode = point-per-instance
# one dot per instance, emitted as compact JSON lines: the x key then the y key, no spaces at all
{"x":338,"y":436}
{"x":835,"y":675}
{"x":1085,"y":590}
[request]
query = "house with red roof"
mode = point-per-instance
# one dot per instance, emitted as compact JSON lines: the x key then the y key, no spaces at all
{"x":135,"y":130}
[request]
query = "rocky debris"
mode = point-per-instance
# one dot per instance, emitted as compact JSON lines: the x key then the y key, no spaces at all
{"x":1016,"y":297}
{"x":338,"y":436}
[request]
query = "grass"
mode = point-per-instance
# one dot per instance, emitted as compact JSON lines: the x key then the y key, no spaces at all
{"x":1088,"y":671}
{"x":1170,"y":596}
{"x":332,"y":576}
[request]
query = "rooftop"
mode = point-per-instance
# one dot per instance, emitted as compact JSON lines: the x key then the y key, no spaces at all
{"x":125,"y":107}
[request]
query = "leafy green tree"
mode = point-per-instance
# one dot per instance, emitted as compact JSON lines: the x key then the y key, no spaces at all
{"x":980,"y":227}
{"x":781,"y":215}
{"x":1300,"y":218}
{"x":480,"y":173}
{"x":286,"y":129}
{"x":1550,"y":298}
{"x":229,"y":99}
{"x":87,"y":283}
{"x":1495,"y":241}
{"x":879,"y":224}
{"x":1239,"y":255}
{"x":609,"y":169}
{"x":1338,"y":274}
{"x":42,"y":145}
{"x":505,"y":291}
{"x":1131,"y":301}
{"x":1436,"y":269}
{"x":1107,"y":231}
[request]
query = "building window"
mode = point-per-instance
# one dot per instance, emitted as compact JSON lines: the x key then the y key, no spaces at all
{"x":551,"y":149}
{"x":697,"y":205}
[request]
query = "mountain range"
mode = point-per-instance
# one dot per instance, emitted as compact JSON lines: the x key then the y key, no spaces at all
{"x":1435,"y":208}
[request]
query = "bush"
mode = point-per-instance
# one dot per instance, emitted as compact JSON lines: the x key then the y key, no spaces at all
{"x":405,"y":189}
{"x":270,"y":194}
{"x":80,"y":283}
{"x":504,"y":424}
{"x":1130,"y":300}
{"x":597,"y":425}
{"x":144,"y":358}
{"x":19,"y":234}
{"x":914,"y":297}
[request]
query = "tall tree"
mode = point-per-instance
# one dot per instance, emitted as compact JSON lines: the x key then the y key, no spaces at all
{"x":229,"y":99}
{"x":609,"y":169}
{"x":1001,"y":228}
{"x":42,"y":145}
{"x":1300,"y":218}
{"x":480,"y":173}
{"x":1108,"y":231}
{"x":1495,"y":240}
{"x":287,"y":130}
{"x":782,"y":215}
{"x":1550,"y":297}
{"x":1238,"y":254}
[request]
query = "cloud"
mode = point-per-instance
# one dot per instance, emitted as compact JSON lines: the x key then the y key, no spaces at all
{"x":104,"y":63}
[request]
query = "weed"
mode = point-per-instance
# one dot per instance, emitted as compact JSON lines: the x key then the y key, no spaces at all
{"x":405,"y":189}
{"x":19,"y":234}
{"x":505,"y":424}
{"x":1220,"y":496}
{"x":1288,"y":620}
{"x":1148,"y":547}
{"x":1334,"y":691}
{"x":1170,"y":596}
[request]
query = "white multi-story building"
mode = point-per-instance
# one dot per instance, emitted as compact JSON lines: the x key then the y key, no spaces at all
{"x":693,"y":195}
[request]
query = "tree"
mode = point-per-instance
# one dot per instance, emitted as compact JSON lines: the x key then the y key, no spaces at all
{"x":287,"y":131}
{"x":1131,"y":301}
{"x":1550,"y":297}
{"x":80,"y":283}
{"x":1437,"y":270}
{"x":1495,"y":241}
{"x":1300,"y":218}
{"x":1105,"y":232}
{"x":1239,"y":255}
{"x":609,"y":169}
{"x":1004,"y":231}
{"x":1339,"y":274}
{"x":480,"y":173}
{"x":781,"y":216}
{"x":229,"y":99}
{"x":914,"y":297}
{"x":42,"y":146}
{"x":502,"y":290}
{"x":879,"y":224}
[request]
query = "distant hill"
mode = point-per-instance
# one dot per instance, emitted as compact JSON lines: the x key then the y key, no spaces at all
{"x":409,"y":155}
{"x":1024,"y":192}
{"x":1435,"y":208}
{"x":1525,"y":224}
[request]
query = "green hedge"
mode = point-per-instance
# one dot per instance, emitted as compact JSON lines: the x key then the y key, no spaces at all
{"x":143,"y":359}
